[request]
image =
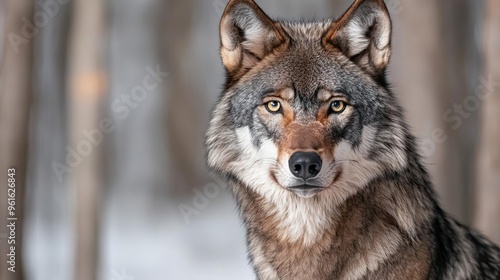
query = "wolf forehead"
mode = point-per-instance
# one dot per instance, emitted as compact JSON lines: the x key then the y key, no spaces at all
{"x":303,"y":62}
{"x":306,"y":33}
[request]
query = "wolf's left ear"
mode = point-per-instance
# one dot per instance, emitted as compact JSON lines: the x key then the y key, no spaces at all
{"x":363,"y":34}
{"x":247,"y":35}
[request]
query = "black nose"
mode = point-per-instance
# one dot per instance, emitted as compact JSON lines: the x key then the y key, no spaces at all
{"x":305,"y":165}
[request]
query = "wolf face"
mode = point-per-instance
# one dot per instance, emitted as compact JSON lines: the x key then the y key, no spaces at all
{"x":306,"y":111}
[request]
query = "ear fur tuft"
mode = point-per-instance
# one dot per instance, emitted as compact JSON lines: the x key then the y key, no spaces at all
{"x":363,"y":34}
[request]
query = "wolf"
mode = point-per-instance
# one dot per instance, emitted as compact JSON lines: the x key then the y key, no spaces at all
{"x":324,"y":169}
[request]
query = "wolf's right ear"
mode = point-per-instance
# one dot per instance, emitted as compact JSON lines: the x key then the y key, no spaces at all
{"x":247,"y":35}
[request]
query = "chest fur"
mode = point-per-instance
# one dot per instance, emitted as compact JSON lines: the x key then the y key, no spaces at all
{"x":303,"y":241}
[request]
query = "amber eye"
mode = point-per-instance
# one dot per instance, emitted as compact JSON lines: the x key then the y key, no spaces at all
{"x":338,"y":106}
{"x":273,"y":106}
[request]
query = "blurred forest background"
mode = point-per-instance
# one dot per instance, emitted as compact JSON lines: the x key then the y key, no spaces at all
{"x":103,"y":107}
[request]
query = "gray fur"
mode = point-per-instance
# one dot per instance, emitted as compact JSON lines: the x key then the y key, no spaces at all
{"x":377,"y":216}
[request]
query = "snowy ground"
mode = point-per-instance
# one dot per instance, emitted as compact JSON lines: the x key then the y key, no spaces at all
{"x":137,"y":246}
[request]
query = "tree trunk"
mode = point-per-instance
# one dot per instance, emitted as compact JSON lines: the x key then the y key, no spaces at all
{"x":86,"y":95}
{"x":49,"y":213}
{"x":433,"y":70}
{"x":183,"y":126}
{"x":417,"y":67}
{"x":488,"y":183}
{"x":15,"y":103}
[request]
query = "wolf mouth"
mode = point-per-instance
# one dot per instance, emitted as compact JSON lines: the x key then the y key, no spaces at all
{"x":306,"y":191}
{"x":306,"y":187}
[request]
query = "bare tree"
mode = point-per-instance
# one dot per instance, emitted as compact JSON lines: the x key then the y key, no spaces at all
{"x":15,"y":103}
{"x":432,"y":73}
{"x":183,"y":126}
{"x":419,"y":61}
{"x":488,"y":187}
{"x":86,"y":94}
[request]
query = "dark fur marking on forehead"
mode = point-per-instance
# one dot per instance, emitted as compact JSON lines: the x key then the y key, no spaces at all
{"x":268,"y":92}
{"x":306,"y":31}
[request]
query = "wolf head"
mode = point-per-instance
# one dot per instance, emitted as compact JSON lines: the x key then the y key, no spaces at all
{"x":306,"y":111}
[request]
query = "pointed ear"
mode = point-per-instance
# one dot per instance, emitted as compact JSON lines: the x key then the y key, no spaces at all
{"x":363,"y":34}
{"x":247,"y":35}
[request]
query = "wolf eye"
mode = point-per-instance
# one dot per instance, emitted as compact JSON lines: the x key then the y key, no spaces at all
{"x":338,"y":106}
{"x":273,"y":106}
